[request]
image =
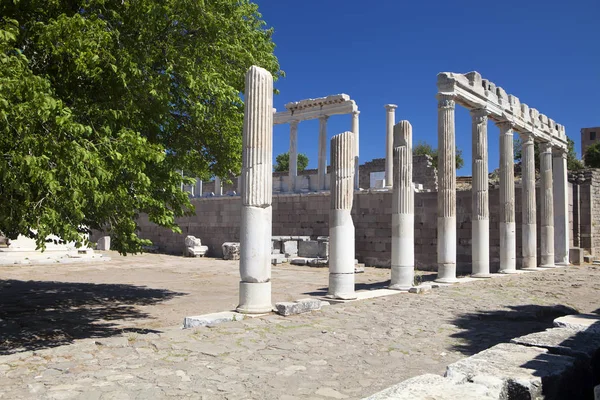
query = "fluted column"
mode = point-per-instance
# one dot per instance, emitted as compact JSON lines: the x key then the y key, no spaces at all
{"x":547,"y":207}
{"x":293,"y":155}
{"x":403,"y":214}
{"x":322,"y":166}
{"x":198,"y":187}
{"x":508,"y":235}
{"x":341,"y":227}
{"x":480,"y":219}
{"x":355,"y":130}
{"x":561,"y":206}
{"x":390,"y":118}
{"x":528,"y":206}
{"x":257,"y":188}
{"x":446,"y":207}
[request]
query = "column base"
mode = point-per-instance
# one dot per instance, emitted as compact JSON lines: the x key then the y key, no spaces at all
{"x":446,"y":273}
{"x":547,"y":266}
{"x":481,"y":275}
{"x":531,"y":269}
{"x":508,"y":271}
{"x":341,"y":286}
{"x":255,"y":298}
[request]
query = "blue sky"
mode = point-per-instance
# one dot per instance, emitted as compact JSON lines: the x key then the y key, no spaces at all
{"x":547,"y":53}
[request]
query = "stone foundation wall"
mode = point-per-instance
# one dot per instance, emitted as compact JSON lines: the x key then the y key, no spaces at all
{"x":587,"y":208}
{"x":217,"y":221}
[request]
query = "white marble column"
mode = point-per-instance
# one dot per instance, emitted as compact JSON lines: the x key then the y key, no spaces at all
{"x":508,"y":234}
{"x":403,"y":214}
{"x":529,"y":205}
{"x":341,"y":227}
{"x":218,"y":186}
{"x":322,"y":166}
{"x":355,"y":130}
{"x":547,"y":207}
{"x":561,"y":206}
{"x":199,"y":187}
{"x":480,"y":220}
{"x":390,"y":118}
{"x":446,"y":207}
{"x":257,"y":192}
{"x":293,"y":156}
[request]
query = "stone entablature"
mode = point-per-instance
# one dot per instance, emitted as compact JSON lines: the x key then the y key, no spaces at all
{"x":315,"y":108}
{"x":473,"y":92}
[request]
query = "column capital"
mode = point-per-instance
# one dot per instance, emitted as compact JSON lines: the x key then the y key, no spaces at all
{"x":506,"y":127}
{"x":390,"y":107}
{"x":356,"y":112}
{"x":294,"y":122}
{"x":446,"y":100}
{"x":324,"y":118}
{"x":559,"y":152}
{"x":479,"y":115}
{"x":527,"y":137}
{"x":545,"y":147}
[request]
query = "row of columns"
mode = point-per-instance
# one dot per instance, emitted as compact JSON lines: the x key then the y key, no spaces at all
{"x":553,"y":196}
{"x":322,"y":161}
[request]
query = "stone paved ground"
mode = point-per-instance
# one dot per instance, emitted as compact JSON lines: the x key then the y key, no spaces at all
{"x":344,"y":351}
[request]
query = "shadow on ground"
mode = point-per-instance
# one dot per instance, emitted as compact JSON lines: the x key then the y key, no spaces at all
{"x":357,"y":287}
{"x":40,"y":314}
{"x":484,"y":329}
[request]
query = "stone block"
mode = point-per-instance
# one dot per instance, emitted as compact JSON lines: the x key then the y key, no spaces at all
{"x":521,"y":372}
{"x":576,"y":256}
{"x":103,"y":243}
{"x":324,"y":249}
{"x":194,"y":247}
{"x":298,"y":307}
{"x":278,"y":259}
{"x":308,"y":248}
{"x":318,"y":262}
{"x":289,"y":248}
{"x":231,"y":251}
{"x":431,"y":386}
{"x":420,"y":289}
{"x":587,"y":259}
{"x":579,"y":322}
{"x":299,"y":261}
{"x":359,"y":268}
{"x":211,"y":319}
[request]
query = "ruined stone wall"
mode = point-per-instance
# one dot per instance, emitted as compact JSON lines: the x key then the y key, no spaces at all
{"x":588,"y":181}
{"x":217,"y":221}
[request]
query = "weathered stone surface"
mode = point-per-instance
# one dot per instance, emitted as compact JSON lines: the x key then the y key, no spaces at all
{"x":289,"y":248}
{"x":318,"y":262}
{"x":576,"y":255}
{"x":520,"y":372}
{"x":298,"y":306}
{"x":299,"y":261}
{"x":103,"y":243}
{"x":434,"y":387}
{"x":323,"y":251}
{"x":231,"y":251}
{"x":420,"y":289}
{"x":563,"y":341}
{"x":211,"y":319}
{"x":194,"y":248}
{"x":308,"y":248}
{"x":579,"y":322}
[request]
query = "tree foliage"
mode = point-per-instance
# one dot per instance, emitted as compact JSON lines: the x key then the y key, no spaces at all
{"x":282,"y":162}
{"x":573,"y":163}
{"x":101,"y":102}
{"x":423,"y":148}
{"x":592,"y":156}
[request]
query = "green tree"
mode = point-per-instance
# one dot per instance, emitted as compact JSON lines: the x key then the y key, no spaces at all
{"x":573,"y":164}
{"x":592,"y":156}
{"x":102,"y":102}
{"x":423,"y":148}
{"x":283,"y":162}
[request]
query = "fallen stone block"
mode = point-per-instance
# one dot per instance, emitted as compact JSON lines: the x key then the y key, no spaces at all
{"x":299,"y":261}
{"x":289,"y":248}
{"x":298,"y":307}
{"x":231,"y":251}
{"x":103,"y":243}
{"x":278,"y":259}
{"x":521,"y":372}
{"x":194,"y":247}
{"x":434,"y":387}
{"x":308,"y":248}
{"x":211,"y":319}
{"x":318,"y":262}
{"x":576,"y":256}
{"x":420,"y":289}
{"x":587,"y":259}
{"x":359,"y":268}
{"x":323,"y":249}
{"x":579,"y":322}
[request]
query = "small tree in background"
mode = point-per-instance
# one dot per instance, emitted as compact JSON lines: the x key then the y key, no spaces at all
{"x":573,"y":164}
{"x":592,"y":156}
{"x":423,"y":148}
{"x":283,"y":162}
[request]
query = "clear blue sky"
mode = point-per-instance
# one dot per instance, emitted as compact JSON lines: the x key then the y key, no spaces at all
{"x":547,"y":53}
